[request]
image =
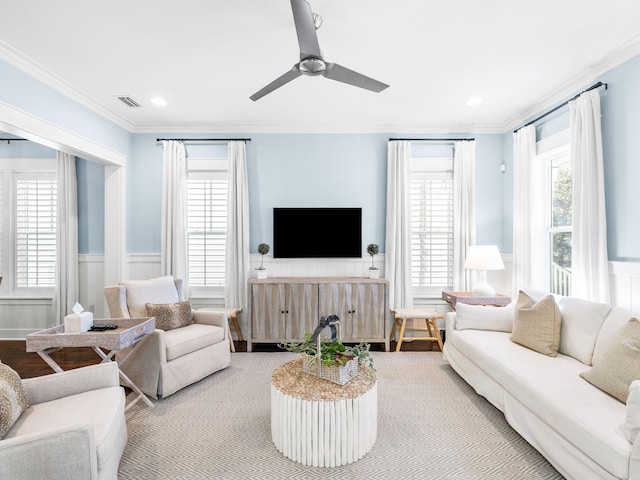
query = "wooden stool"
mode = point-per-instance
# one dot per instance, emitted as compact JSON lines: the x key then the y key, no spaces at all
{"x":232,"y":315}
{"x":429,"y":315}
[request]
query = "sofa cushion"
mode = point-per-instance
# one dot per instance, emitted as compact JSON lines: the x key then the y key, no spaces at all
{"x":155,"y":290}
{"x":182,"y":341}
{"x":618,"y":317}
{"x":13,"y":398}
{"x":620,"y":366}
{"x":632,"y":422}
{"x":581,"y":323}
{"x":171,"y":315}
{"x":536,"y":325}
{"x":481,"y":317}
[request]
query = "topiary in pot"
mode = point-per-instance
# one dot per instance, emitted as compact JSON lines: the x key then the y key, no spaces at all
{"x":372,"y":249}
{"x":263,"y":249}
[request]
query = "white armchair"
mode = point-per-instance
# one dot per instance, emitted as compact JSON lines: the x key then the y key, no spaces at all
{"x":74,"y":427}
{"x":167,"y":361}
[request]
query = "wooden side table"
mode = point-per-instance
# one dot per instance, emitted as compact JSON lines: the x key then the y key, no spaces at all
{"x":129,"y":333}
{"x":429,"y":315}
{"x":499,"y":300}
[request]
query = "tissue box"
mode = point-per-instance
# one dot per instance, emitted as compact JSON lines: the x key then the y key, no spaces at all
{"x":78,"y":322}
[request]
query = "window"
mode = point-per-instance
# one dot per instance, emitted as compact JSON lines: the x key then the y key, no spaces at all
{"x":560,"y":223}
{"x":432,"y":224}
{"x":207,"y":222}
{"x":28,"y":200}
{"x":35,"y":230}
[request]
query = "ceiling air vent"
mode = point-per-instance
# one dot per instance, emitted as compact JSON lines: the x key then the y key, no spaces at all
{"x":128,"y":101}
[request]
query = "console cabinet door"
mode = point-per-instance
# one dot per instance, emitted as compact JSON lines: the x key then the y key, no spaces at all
{"x":268,"y":311}
{"x":367,"y":312}
{"x":336,"y":299}
{"x":302,"y":310}
{"x":360,"y":307}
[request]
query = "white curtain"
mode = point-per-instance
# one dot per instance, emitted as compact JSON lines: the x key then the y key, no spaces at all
{"x":589,"y":259}
{"x":397,"y":255}
{"x":237,"y":267}
{"x":67,"y":289}
{"x":530,"y":242}
{"x":464,"y":210}
{"x":174,"y":212}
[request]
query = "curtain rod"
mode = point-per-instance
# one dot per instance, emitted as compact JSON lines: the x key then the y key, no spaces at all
{"x":564,"y":104}
{"x":431,"y":139}
{"x":205,"y":139}
{"x":8,"y":140}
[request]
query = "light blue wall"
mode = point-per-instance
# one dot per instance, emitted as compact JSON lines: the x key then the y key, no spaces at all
{"x":25,"y":149}
{"x":90,"y":207}
{"x":334,"y":170}
{"x":26,"y":93}
{"x":304,"y":170}
{"x":620,"y":129}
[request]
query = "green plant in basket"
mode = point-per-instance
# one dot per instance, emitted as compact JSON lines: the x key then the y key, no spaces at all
{"x":331,"y":352}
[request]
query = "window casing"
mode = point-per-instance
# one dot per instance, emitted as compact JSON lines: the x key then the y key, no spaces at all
{"x":207,"y":188}
{"x":431,"y":225}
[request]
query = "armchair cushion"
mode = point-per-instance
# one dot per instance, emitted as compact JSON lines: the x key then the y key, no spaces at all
{"x":170,"y":316}
{"x":156,"y":290}
{"x":13,"y":398}
{"x":191,"y":338}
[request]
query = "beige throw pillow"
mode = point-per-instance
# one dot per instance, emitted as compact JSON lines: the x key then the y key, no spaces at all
{"x":13,"y":398}
{"x":620,"y":365}
{"x":170,"y":316}
{"x":536,"y":325}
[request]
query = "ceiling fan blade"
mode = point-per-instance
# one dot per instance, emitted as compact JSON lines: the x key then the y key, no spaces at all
{"x":306,"y":29}
{"x":344,"y":75}
{"x":277,"y":83}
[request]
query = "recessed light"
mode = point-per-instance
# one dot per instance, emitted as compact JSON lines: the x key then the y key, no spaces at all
{"x":161,"y":102}
{"x":473,"y":101}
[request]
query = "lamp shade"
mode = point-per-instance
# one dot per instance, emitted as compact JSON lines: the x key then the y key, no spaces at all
{"x":483,"y":257}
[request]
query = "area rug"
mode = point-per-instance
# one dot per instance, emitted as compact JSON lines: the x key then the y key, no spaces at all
{"x":431,"y":425}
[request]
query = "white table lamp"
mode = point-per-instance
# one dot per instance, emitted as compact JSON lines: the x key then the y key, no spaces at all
{"x":483,"y":258}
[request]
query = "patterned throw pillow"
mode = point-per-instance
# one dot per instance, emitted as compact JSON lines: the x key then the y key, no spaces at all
{"x":13,"y":398}
{"x":620,"y":365}
{"x":172,"y":315}
{"x":536,"y":325}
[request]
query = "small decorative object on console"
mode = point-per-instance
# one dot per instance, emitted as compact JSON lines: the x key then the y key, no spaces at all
{"x":263,"y":249}
{"x":330,"y":359}
{"x":372,"y":249}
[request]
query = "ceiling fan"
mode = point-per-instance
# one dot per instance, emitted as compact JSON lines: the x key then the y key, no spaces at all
{"x":311,"y":59}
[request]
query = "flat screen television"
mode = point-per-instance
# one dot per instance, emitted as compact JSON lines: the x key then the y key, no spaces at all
{"x":317,"y":232}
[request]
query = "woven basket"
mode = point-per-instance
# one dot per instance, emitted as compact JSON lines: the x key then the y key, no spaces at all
{"x":339,"y":374}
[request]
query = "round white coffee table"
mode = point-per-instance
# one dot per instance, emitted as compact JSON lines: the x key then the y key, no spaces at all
{"x":321,"y":424}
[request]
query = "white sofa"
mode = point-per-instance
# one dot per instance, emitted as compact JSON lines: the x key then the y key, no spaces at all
{"x":74,"y":427}
{"x":583,"y":432}
{"x":166,"y":361}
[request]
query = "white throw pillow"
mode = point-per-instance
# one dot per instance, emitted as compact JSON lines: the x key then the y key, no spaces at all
{"x":581,"y":323}
{"x":632,"y":422}
{"x":155,"y":290}
{"x":479,"y":317}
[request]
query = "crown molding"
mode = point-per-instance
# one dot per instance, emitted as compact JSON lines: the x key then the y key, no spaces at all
{"x":568,"y":89}
{"x":40,"y":73}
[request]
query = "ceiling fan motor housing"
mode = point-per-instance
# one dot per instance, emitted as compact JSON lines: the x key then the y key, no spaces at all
{"x":312,"y":66}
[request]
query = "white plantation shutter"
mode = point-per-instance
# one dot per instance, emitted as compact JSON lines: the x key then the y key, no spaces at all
{"x":432,"y":223}
{"x":207,"y":227}
{"x":2,"y":243}
{"x":35,"y":230}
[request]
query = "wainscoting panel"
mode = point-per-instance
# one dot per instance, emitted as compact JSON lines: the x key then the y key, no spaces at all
{"x":22,"y":316}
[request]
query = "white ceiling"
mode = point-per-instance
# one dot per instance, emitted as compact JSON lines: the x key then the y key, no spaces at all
{"x":205,"y":57}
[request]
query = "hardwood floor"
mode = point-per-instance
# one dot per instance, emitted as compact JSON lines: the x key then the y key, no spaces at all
{"x":29,"y":364}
